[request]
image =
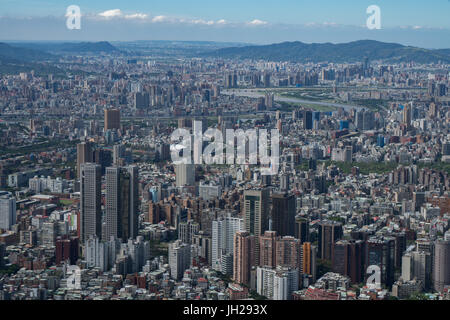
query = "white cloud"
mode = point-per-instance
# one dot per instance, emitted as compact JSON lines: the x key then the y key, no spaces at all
{"x":136,"y":16}
{"x":111,"y":13}
{"x":168,"y":19}
{"x":161,"y":19}
{"x":117,"y":13}
{"x":257,"y":22}
{"x":201,"y":21}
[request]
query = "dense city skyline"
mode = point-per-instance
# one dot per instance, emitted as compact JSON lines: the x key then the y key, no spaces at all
{"x":219,"y":172}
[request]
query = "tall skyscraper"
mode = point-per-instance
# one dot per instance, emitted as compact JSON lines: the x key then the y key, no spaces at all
{"x":359,"y":119}
{"x":307,"y":120}
{"x":380,"y":251}
{"x":329,"y":233}
{"x":400,"y":247}
{"x":203,"y":241}
{"x":364,"y":120}
{"x":446,"y":148}
{"x":133,"y":219}
{"x":122,"y":203}
{"x":112,"y":119}
{"x":407,"y":267}
{"x":231,"y":80}
{"x":67,"y":249}
{"x":185,"y":174}
{"x":269,"y":100}
{"x":441,"y":266}
{"x":103,"y":158}
{"x":113,"y":204}
{"x":256,"y":218}
{"x":348,"y":152}
{"x":301,"y":229}
{"x":288,"y":252}
{"x":267,"y":253}
{"x":244,"y":257}
{"x":7,"y":210}
{"x":284,"y":182}
{"x":283,"y":214}
{"x":84,"y":155}
{"x":417,"y":265}
{"x":266,"y":77}
{"x":348,"y":259}
{"x":187,"y":230}
{"x":141,"y":100}
{"x":102,"y":254}
{"x":256,"y":214}
{"x":308,"y":259}
{"x":118,"y":152}
{"x":277,"y":284}
{"x":179,"y":259}
{"x":223,"y":231}
{"x":407,"y":114}
{"x":441,"y":90}
{"x":90,"y":204}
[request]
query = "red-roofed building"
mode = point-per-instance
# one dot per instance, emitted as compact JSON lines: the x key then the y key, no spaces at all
{"x":237,"y":292}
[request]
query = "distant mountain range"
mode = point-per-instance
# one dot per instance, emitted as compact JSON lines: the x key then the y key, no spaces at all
{"x":328,"y":52}
{"x":69,"y":47}
{"x":25,"y":56}
{"x":167,"y":48}
{"x":84,"y":47}
{"x":13,"y":53}
{"x":14,"y":60}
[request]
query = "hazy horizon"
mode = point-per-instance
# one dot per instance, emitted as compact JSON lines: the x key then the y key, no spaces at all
{"x":241,"y":43}
{"x":408,"y":22}
{"x":198,"y":41}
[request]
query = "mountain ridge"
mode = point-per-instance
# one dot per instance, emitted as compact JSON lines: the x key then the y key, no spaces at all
{"x":67,"y":47}
{"x":297,"y":51}
{"x":15,"y":59}
{"x":10,"y":52}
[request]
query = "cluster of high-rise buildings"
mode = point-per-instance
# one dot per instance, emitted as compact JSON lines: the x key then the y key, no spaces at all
{"x":89,"y":189}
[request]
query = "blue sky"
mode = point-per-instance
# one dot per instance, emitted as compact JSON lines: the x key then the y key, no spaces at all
{"x":413,"y":22}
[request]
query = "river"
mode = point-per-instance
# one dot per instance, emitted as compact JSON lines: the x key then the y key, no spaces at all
{"x":254,"y":93}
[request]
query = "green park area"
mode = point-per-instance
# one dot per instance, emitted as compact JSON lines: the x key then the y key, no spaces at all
{"x":66,"y":202}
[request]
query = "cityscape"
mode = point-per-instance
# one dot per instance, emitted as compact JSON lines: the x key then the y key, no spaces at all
{"x":226,"y":169}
